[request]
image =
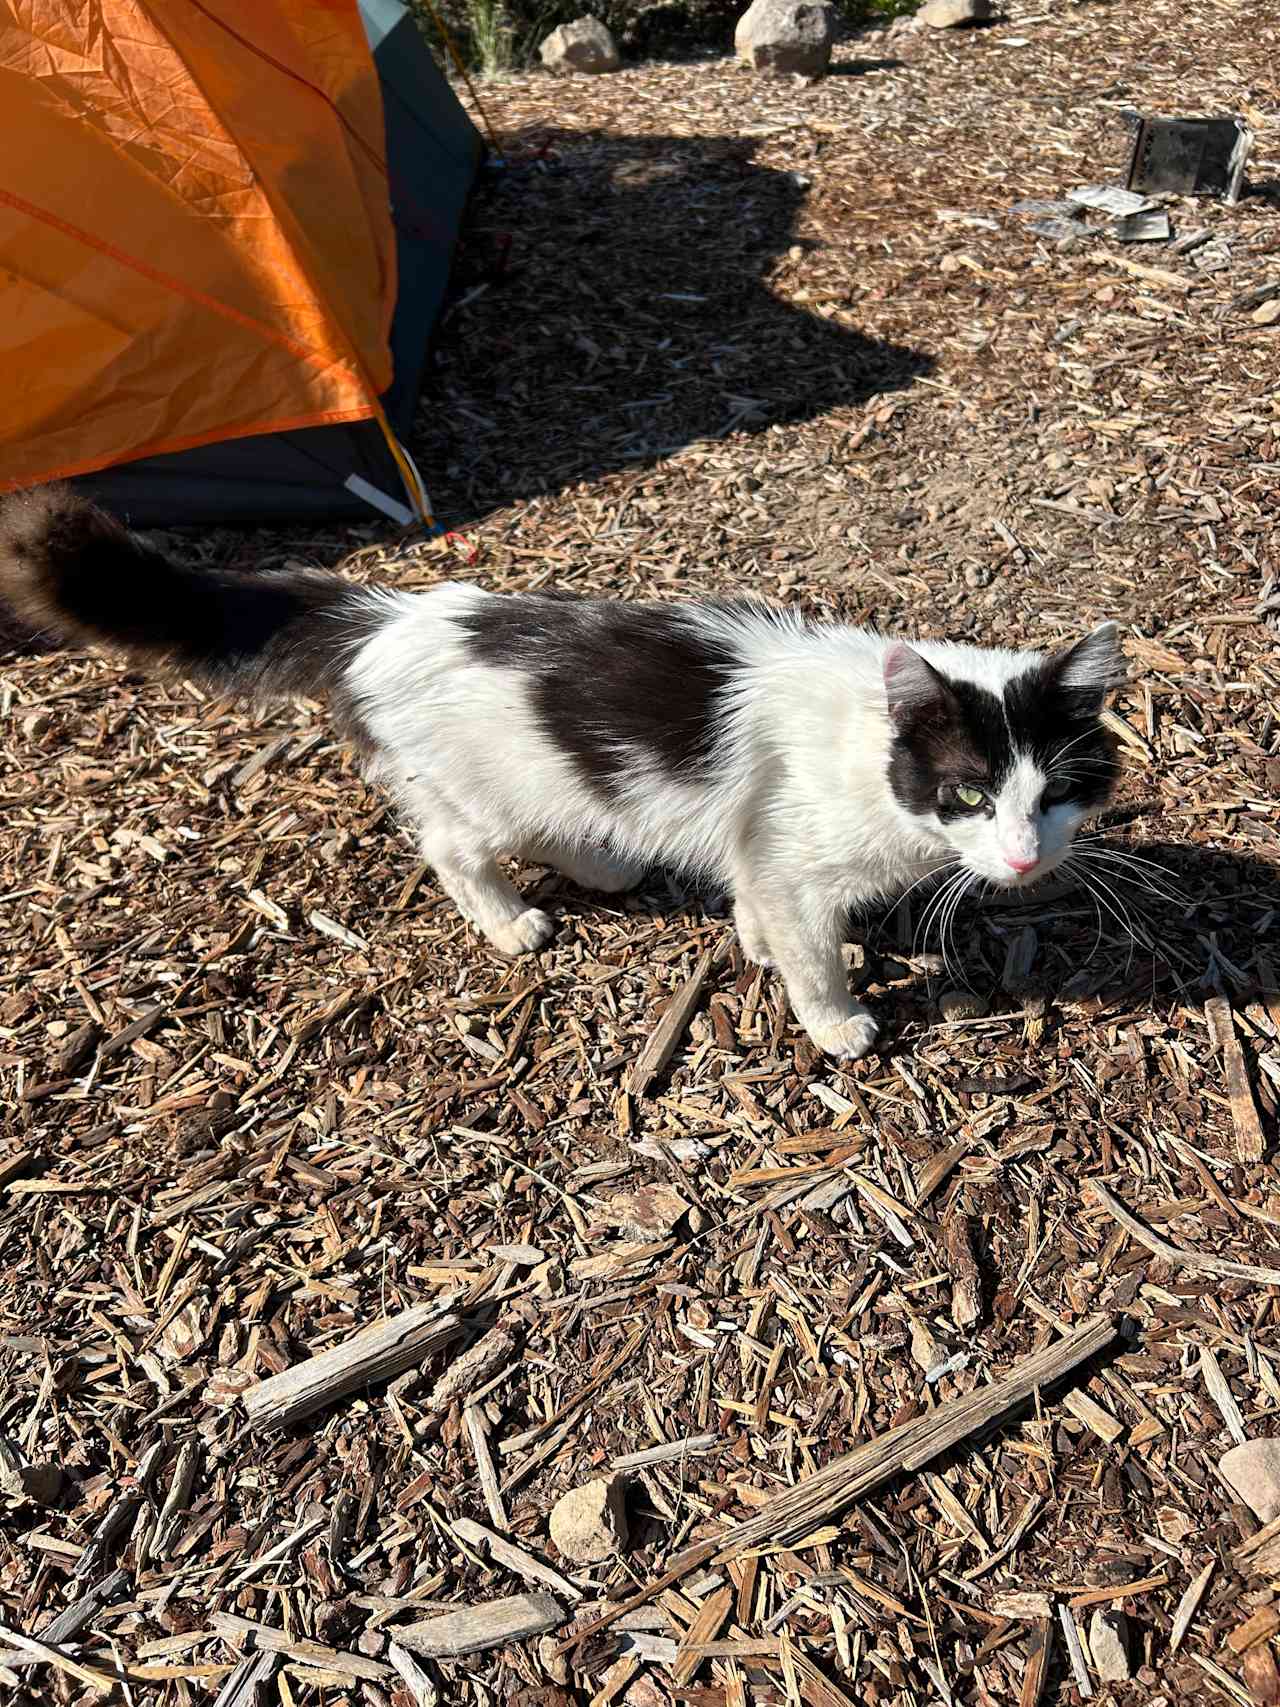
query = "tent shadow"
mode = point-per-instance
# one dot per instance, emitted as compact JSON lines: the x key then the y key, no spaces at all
{"x":613,"y":304}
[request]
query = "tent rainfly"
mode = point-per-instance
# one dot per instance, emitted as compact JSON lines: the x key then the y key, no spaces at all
{"x":225,"y":235}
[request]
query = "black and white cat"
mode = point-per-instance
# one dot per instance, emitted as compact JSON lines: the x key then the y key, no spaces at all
{"x":808,"y":767}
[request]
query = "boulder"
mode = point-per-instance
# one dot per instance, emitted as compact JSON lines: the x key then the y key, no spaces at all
{"x":786,"y":36}
{"x":584,"y":45}
{"x":589,"y":1523}
{"x":947,"y":14}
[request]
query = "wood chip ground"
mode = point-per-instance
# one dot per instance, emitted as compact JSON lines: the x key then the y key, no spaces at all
{"x":263,"y":1089}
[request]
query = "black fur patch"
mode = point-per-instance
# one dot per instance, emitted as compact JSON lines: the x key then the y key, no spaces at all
{"x":969,"y":734}
{"x":613,"y":685}
{"x":69,"y":568}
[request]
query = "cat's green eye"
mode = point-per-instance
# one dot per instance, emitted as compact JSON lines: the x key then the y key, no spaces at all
{"x":967,"y":795}
{"x":1057,"y":788}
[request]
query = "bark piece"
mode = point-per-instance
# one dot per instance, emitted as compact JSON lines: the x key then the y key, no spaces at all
{"x":377,"y":1353}
{"x":472,"y":1629}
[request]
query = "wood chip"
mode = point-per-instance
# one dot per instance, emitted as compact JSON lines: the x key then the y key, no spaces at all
{"x":473,"y":1629}
{"x":1204,"y":1262}
{"x":377,"y":1353}
{"x":669,"y":1029}
{"x":515,"y":1558}
{"x":705,"y":1628}
{"x":270,"y":1639}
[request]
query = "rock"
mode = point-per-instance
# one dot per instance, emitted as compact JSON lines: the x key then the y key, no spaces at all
{"x":552,"y":1660}
{"x":1253,"y":1470}
{"x":786,"y":36}
{"x":961,"y":1004}
{"x":947,"y":14}
{"x":1109,"y":1645}
{"x":584,"y":45}
{"x":1268,"y":314}
{"x":589,"y":1523}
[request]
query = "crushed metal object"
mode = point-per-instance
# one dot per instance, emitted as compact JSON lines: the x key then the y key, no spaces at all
{"x":1204,"y":157}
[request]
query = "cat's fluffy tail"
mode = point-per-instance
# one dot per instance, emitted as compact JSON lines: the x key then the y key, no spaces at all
{"x":71,"y":570}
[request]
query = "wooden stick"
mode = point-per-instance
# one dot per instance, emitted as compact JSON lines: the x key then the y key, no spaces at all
{"x":966,"y":1290}
{"x":514,"y":1558}
{"x":241,"y":1688}
{"x":487,"y":1475}
{"x":1075,"y":1653}
{"x":669,"y":1029}
{"x":416,"y":1681}
{"x":816,"y":1499}
{"x":99,"y":1681}
{"x":1250,"y":1143}
{"x":1036,"y":1674}
{"x":691,"y":1447}
{"x":68,"y":1624}
{"x":705,"y":1628}
{"x":792,"y":1515}
{"x":1204,"y":1261}
{"x":1188,"y":1606}
{"x":472,"y":1629}
{"x":271,"y":1640}
{"x":377,"y":1353}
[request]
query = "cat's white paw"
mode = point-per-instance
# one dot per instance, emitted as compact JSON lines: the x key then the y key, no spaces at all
{"x":529,"y":930}
{"x":846,"y":1039}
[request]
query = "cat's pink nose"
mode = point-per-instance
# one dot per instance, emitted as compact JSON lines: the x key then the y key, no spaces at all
{"x":1020,"y":865}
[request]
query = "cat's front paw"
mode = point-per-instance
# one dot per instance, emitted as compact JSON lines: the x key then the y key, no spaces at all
{"x":529,"y":930}
{"x":846,"y":1039}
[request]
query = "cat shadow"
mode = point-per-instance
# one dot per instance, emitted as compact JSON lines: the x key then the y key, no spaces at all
{"x":619,"y":298}
{"x":1143,"y":924}
{"x":1168,"y":922}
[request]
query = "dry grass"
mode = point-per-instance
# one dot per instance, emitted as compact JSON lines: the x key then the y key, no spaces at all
{"x":263,"y":1087}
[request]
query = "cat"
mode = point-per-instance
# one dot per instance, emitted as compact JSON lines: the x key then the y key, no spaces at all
{"x":807,"y":766}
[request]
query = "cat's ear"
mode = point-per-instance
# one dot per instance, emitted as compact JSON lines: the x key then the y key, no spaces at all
{"x":913,"y":688}
{"x":1093,"y":665}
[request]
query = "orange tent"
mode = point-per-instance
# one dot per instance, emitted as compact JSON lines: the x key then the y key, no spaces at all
{"x":197,"y":243}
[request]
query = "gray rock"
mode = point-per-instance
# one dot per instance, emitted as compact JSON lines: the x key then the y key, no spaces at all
{"x":1253,"y":1470}
{"x":1109,"y":1645}
{"x":947,"y":14}
{"x":786,"y":36}
{"x":589,"y":1523}
{"x":584,"y":45}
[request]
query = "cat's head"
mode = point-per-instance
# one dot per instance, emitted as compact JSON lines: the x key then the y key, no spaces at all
{"x":1004,"y":764}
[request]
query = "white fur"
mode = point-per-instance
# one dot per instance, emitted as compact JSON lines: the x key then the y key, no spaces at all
{"x":798,"y":820}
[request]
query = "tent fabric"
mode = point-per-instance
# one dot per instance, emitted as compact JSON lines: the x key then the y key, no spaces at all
{"x":198,"y":250}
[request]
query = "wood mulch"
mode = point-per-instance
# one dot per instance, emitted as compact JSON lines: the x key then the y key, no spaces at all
{"x":264,"y":1093}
